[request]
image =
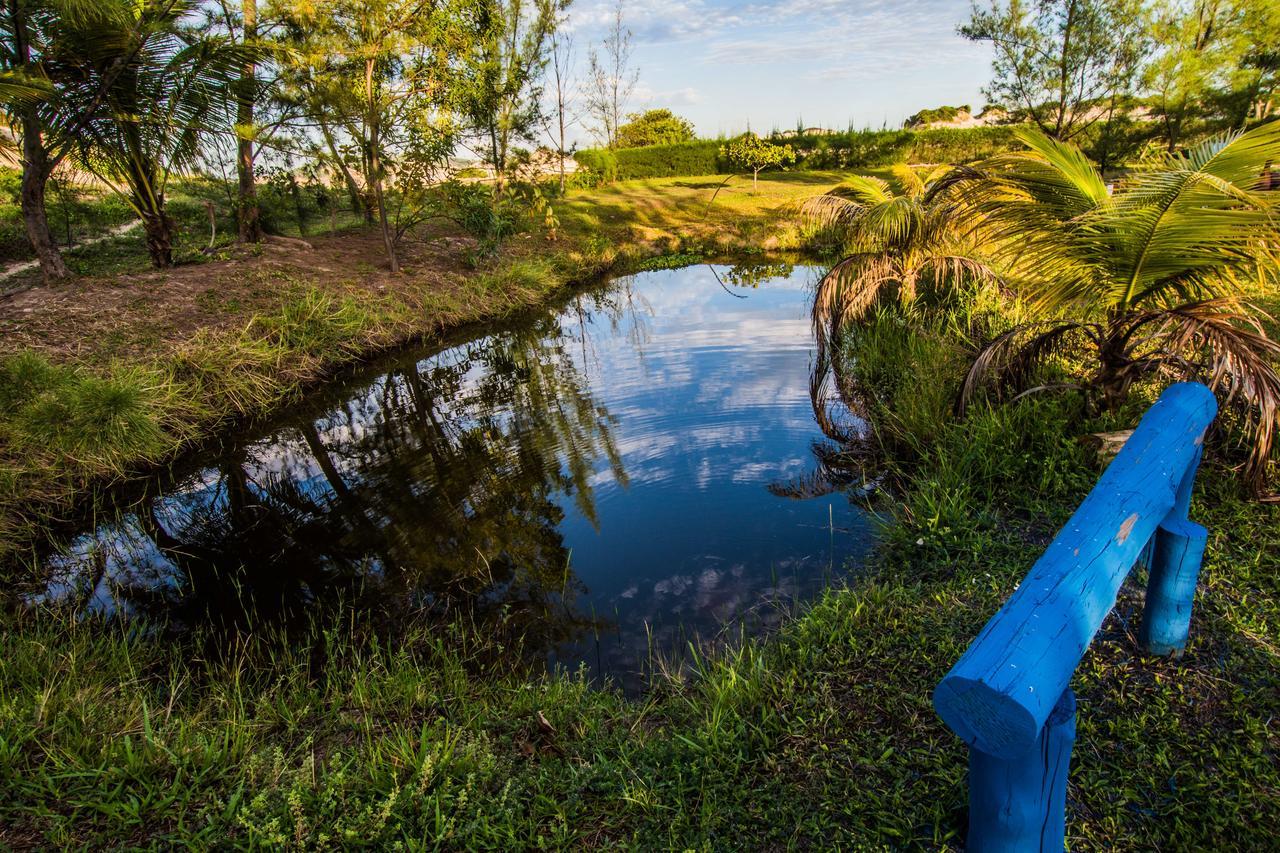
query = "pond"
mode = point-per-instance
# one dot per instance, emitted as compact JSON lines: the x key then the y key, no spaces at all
{"x":609,"y":481}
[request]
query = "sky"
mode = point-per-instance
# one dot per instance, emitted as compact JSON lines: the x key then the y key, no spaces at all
{"x":728,"y":66}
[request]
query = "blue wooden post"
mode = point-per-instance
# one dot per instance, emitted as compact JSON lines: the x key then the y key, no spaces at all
{"x":1174,"y":570}
{"x":1020,"y":804}
{"x":1007,"y":696}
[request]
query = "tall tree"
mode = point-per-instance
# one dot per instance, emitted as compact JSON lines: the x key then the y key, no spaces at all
{"x":502,"y":100}
{"x":247,"y":92}
{"x":564,"y":94}
{"x":1059,"y":61}
{"x":1195,"y":47}
{"x":611,"y":79}
{"x":22,"y":56}
{"x":375,"y":68}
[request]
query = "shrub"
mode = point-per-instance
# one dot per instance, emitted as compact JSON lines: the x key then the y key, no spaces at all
{"x":655,"y":127}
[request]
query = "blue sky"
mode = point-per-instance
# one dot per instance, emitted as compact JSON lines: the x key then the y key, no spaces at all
{"x":725,"y":65}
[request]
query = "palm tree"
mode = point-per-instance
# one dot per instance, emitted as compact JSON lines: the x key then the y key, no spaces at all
{"x":169,"y":85}
{"x":895,"y":243}
{"x":898,"y":242}
{"x":1146,"y":282}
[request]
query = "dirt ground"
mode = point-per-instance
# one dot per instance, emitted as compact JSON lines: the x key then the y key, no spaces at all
{"x":92,"y":320}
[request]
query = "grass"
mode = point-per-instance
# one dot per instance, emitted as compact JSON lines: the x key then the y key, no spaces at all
{"x":706,"y":215}
{"x":263,"y":334}
{"x":822,"y":736}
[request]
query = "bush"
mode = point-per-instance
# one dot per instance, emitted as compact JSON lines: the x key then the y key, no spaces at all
{"x":701,"y":157}
{"x":857,"y":149}
{"x":655,"y":127}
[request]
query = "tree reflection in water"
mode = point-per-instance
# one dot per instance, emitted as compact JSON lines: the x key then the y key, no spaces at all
{"x":622,"y":457}
{"x":430,"y":491}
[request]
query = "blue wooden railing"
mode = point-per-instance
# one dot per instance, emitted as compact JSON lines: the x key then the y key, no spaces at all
{"x":1008,"y":695}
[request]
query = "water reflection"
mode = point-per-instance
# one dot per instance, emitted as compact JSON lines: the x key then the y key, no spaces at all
{"x":596,"y":481}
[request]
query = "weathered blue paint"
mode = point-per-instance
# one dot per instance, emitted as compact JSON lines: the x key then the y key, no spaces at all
{"x":1008,"y":695}
{"x":1000,"y":693}
{"x":1175,"y":567}
{"x":1028,"y":794}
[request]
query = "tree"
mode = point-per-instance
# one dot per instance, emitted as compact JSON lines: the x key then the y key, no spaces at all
{"x":896,"y":242}
{"x":1143,"y":284}
{"x":611,"y":80}
{"x":244,"y":21}
{"x":38,"y":83}
{"x":502,"y":100}
{"x":380,"y":71}
{"x":654,"y":127}
{"x":152,"y":90}
{"x":564,"y":94}
{"x":1058,"y":60}
{"x":754,"y":154}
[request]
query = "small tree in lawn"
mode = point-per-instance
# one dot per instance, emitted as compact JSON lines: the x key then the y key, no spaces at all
{"x":751,"y":153}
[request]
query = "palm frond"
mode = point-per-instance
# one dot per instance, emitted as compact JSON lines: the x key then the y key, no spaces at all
{"x":1214,"y":342}
{"x":1012,"y":360}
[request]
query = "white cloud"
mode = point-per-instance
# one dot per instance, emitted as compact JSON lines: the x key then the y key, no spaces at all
{"x":684,"y":97}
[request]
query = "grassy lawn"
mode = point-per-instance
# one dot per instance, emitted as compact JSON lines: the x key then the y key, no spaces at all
{"x":707,"y":212}
{"x":821,"y":736}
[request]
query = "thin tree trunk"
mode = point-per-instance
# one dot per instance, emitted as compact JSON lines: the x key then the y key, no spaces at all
{"x":353,"y":189}
{"x":375,"y":169}
{"x":248,"y":215}
{"x":1062,"y":72}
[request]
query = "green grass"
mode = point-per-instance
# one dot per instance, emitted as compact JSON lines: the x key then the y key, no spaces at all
{"x":68,"y":429}
{"x":434,"y":737}
{"x":820,"y":736}
{"x":703,"y":215}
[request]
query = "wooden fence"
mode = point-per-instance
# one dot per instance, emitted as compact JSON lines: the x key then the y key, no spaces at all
{"x":1008,"y":696}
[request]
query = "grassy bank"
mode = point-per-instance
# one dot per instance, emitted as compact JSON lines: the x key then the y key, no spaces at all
{"x":823,"y":735}
{"x":123,"y":369}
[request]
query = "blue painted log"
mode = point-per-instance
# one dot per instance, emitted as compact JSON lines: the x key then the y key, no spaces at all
{"x":999,"y":695}
{"x":1020,"y":805}
{"x":1171,"y":588}
{"x":1177,"y":551}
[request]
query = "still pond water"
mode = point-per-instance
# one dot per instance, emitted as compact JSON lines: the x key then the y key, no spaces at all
{"x":605,"y":481}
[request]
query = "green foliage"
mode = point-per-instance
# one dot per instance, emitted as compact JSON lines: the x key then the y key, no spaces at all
{"x":1148,"y":281}
{"x":929,"y":116}
{"x":754,"y":154}
{"x":863,"y":149}
{"x":701,"y":157}
{"x":672,"y":261}
{"x":654,"y":127}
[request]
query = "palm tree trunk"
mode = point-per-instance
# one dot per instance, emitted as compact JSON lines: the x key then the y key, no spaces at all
{"x":159,"y":229}
{"x":35,"y":179}
{"x":36,"y":167}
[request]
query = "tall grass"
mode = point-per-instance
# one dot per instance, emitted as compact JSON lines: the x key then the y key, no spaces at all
{"x":66,"y":430}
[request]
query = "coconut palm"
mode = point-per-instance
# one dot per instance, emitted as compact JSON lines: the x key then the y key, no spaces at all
{"x":900,"y":240}
{"x":1146,"y":282}
{"x":153,"y":88}
{"x":895,"y":242}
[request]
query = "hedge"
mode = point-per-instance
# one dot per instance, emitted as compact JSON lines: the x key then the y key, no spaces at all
{"x":859,"y":149}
